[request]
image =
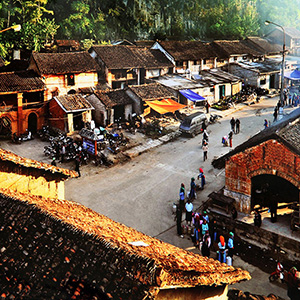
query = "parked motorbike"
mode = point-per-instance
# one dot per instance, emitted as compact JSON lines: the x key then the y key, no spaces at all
{"x":278,"y":273}
{"x":214,"y":118}
{"x":101,"y":159}
{"x":16,"y":139}
{"x":21,"y":138}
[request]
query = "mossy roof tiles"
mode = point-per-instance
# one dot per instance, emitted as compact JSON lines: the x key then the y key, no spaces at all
{"x":30,"y":163}
{"x":22,"y":81}
{"x":127,"y":57}
{"x":174,"y":267}
{"x":63,"y":63}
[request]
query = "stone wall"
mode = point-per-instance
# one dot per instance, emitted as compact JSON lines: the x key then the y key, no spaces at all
{"x":281,"y":247}
{"x":269,"y":157}
{"x":44,"y":258}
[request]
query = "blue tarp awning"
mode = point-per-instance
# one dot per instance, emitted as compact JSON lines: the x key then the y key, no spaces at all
{"x":191,"y":95}
{"x":294,"y":75}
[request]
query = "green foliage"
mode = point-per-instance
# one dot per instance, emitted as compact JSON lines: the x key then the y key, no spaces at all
{"x":96,"y":21}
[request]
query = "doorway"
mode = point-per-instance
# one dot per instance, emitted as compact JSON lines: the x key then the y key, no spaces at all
{"x":221,"y":91}
{"x":267,"y":189}
{"x":32,"y":123}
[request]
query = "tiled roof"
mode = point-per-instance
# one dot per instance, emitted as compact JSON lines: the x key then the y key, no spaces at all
{"x":168,"y":265}
{"x":285,"y":131}
{"x":20,"y":82}
{"x":292,"y":32}
{"x":225,"y":48}
{"x":68,"y":43}
{"x":74,"y":102}
{"x":127,"y":57}
{"x":152,"y":91}
{"x":113,"y":97}
{"x":188,"y":50}
{"x":262,"y":45}
{"x":30,"y":163}
{"x":1,"y":62}
{"x":63,"y":63}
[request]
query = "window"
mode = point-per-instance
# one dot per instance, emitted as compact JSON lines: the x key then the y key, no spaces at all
{"x":204,"y":61}
{"x":70,"y":79}
{"x":263,"y":81}
{"x":195,"y":62}
{"x":179,"y":63}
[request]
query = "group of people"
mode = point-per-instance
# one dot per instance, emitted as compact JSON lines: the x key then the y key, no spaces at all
{"x":185,"y":201}
{"x":235,"y":128}
{"x":226,"y":250}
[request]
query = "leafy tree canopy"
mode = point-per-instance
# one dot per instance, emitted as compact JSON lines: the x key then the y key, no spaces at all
{"x":109,"y":20}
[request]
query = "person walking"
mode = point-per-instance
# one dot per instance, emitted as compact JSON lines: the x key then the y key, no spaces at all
{"x":205,"y":137}
{"x":204,"y":227}
{"x":201,"y":177}
{"x":206,"y":242}
{"x":230,"y":244}
{"x":257,"y":218}
{"x":222,"y":250}
{"x":53,"y":163}
{"x":62,"y":153}
{"x":188,"y":212}
{"x":275,"y":114}
{"x":232,"y":124}
{"x":77,"y":165}
{"x":192,"y":194}
{"x":207,"y":106}
{"x":230,"y":135}
{"x":266,"y":123}
{"x":205,"y":149}
{"x":292,"y":282}
{"x":182,"y":196}
{"x":178,"y":219}
{"x":237,"y":126}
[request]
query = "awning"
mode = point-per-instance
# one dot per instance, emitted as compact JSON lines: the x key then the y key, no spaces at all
{"x":294,"y":75}
{"x":191,"y":95}
{"x":165,"y":106}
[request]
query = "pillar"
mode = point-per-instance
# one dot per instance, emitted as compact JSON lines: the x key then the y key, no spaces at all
{"x":20,"y":113}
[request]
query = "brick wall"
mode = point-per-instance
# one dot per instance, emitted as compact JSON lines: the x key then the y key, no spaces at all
{"x":270,"y":157}
{"x":44,"y":258}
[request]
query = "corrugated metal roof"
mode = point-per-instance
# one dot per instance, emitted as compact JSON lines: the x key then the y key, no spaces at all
{"x":30,"y":163}
{"x":74,"y":102}
{"x":21,"y":81}
{"x":175,"y":267}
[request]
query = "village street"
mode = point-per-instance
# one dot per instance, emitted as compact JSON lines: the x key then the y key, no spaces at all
{"x":141,"y":192}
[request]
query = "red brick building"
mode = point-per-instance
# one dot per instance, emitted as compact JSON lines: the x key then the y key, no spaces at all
{"x":265,"y":169}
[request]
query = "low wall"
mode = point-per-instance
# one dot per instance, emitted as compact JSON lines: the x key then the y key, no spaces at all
{"x":286,"y":248}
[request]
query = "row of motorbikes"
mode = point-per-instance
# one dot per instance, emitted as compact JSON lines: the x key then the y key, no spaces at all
{"x":18,"y":139}
{"x":63,"y":147}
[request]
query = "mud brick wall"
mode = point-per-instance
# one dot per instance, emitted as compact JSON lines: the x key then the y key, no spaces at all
{"x":270,"y":157}
{"x":32,"y":180}
{"x":44,"y":258}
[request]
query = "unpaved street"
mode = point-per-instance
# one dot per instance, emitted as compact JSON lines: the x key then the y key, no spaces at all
{"x":141,"y":192}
